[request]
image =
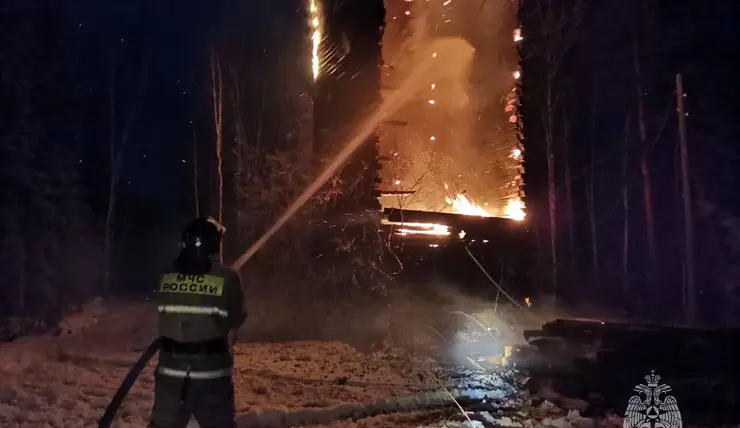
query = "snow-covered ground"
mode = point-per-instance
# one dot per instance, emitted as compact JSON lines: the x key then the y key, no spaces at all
{"x":67,"y":380}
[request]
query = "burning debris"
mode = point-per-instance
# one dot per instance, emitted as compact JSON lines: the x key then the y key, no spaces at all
{"x":453,"y":228}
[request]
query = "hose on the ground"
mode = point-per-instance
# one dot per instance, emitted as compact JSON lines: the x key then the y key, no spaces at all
{"x":442,"y":398}
{"x":110,"y":412}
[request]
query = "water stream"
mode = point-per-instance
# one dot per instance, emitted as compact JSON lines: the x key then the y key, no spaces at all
{"x":453,"y":50}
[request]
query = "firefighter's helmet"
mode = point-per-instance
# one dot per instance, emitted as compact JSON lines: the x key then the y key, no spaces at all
{"x":203,"y":236}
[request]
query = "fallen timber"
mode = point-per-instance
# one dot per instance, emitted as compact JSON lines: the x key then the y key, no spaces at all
{"x":475,"y":227}
{"x":602,"y":362}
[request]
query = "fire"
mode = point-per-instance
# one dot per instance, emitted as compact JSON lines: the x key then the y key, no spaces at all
{"x":518,"y":35}
{"x":462,"y":205}
{"x":515,"y":210}
{"x":406,"y":228}
{"x":315,"y":20}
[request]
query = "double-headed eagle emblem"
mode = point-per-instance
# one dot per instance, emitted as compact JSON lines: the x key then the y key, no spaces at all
{"x":652,"y":407}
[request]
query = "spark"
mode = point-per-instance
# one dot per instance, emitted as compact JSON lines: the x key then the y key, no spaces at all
{"x":431,"y":101}
{"x":397,"y":182}
{"x":517,"y":74}
{"x":516,"y":153}
{"x":432,"y":138}
{"x":407,"y":13}
{"x":433,"y":86}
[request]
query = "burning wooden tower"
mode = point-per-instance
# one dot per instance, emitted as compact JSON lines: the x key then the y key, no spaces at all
{"x":346,"y":37}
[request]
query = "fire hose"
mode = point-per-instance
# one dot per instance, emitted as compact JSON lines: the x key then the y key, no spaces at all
{"x":110,"y":412}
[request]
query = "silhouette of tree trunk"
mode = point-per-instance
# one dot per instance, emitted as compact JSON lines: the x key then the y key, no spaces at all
{"x":590,"y":198}
{"x":196,"y":196}
{"x":645,"y":172}
{"x":558,"y":24}
{"x":217,"y":91}
{"x":690,"y":294}
{"x":116,"y":150}
{"x":568,"y":181}
{"x":625,"y":208}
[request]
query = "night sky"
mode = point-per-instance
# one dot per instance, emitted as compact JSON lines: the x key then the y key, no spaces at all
{"x":161,"y":51}
{"x":66,"y":51}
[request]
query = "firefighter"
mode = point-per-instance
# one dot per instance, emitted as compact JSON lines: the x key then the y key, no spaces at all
{"x":201,"y":306}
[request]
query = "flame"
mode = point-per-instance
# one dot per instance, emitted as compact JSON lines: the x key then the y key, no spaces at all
{"x":410,"y":228}
{"x":315,"y":20}
{"x":508,"y":205}
{"x":462,"y":205}
{"x":518,"y":35}
{"x":515,"y":210}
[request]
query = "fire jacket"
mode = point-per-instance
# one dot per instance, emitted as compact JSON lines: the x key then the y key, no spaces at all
{"x":196,"y":314}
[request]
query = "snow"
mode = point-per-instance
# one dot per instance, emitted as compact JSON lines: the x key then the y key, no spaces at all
{"x":67,"y":379}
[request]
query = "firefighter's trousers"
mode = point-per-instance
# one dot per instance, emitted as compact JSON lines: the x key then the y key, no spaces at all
{"x":185,"y":387}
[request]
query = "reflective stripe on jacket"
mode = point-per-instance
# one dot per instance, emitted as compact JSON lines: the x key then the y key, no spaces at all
{"x":195,"y":310}
{"x":200,"y":308}
{"x":194,"y":374}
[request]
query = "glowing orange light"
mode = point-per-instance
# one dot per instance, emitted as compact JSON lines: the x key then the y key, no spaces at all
{"x":462,"y":205}
{"x":518,"y":35}
{"x":415,"y":228}
{"x":315,"y":37}
{"x":515,"y":210}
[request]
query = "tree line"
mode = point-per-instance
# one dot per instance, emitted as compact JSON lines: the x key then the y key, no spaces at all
{"x":628,"y":150}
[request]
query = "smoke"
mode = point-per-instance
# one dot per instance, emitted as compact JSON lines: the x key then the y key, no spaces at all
{"x":426,"y":318}
{"x":454,"y":136}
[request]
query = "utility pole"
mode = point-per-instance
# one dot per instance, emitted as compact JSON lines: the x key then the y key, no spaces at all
{"x":690,"y":290}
